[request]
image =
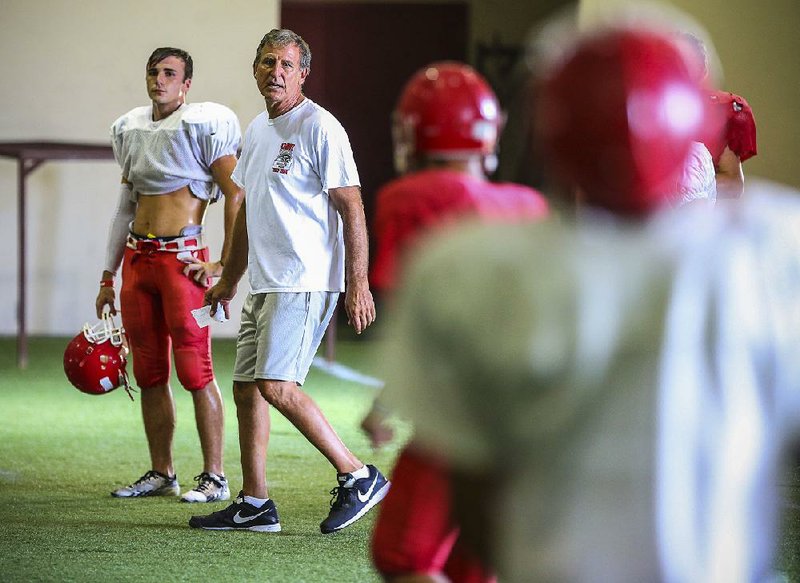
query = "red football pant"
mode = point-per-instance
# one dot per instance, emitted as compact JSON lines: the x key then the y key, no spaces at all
{"x":156,"y":301}
{"x":415,"y":532}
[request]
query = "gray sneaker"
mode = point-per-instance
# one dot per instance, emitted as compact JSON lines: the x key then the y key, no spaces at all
{"x":210,"y":488}
{"x":153,"y":483}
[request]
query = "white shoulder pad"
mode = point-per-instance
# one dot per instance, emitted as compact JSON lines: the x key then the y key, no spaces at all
{"x":134,"y":118}
{"x":199,"y":113}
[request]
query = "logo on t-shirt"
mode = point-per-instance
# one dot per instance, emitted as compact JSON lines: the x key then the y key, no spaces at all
{"x":283,"y":162}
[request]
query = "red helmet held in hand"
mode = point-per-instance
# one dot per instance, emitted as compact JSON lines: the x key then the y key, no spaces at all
{"x":446,"y":109}
{"x":95,"y":359}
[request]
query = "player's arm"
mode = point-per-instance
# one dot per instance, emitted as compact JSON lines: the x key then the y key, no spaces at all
{"x":235,"y":264}
{"x":730,"y":176}
{"x":376,"y":424}
{"x":221,"y":170}
{"x":115,"y":247}
{"x":358,"y":303}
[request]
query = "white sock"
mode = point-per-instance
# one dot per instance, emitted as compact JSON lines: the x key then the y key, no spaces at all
{"x":362,"y":472}
{"x":257,"y":502}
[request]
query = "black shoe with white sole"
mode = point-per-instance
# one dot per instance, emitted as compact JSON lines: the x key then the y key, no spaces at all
{"x":352,"y":499}
{"x":240,"y":516}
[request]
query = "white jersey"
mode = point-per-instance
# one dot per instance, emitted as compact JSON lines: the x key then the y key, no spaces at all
{"x":288,"y":165}
{"x":698,"y":181}
{"x":634,"y":386}
{"x":162,"y":156}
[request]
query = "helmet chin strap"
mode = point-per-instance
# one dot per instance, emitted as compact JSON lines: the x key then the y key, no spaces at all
{"x":126,"y":384}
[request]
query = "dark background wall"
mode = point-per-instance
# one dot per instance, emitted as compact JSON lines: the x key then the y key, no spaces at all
{"x":362,"y":55}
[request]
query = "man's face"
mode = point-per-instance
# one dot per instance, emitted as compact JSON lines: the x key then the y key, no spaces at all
{"x":279,"y":76}
{"x":165,"y":82}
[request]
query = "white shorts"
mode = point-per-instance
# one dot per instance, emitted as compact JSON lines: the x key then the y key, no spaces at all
{"x":280,"y":334}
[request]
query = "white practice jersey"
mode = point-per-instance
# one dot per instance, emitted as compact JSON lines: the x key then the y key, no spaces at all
{"x":162,"y":156}
{"x":698,"y":181}
{"x":634,"y":385}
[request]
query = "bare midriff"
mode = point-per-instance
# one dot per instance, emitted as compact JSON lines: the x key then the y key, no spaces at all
{"x":164,"y":215}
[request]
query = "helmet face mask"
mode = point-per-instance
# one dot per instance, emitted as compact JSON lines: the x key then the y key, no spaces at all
{"x":105,"y":330}
{"x":95,"y":359}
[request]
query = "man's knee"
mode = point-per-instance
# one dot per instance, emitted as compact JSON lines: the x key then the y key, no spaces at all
{"x":283,"y":395}
{"x":246,"y":395}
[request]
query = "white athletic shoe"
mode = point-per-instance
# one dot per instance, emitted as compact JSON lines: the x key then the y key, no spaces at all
{"x":153,"y":483}
{"x":210,"y":488}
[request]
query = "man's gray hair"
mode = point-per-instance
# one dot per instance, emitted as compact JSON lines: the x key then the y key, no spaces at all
{"x":281,"y":37}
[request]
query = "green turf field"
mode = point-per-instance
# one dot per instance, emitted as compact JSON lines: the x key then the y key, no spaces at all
{"x":61,"y":453}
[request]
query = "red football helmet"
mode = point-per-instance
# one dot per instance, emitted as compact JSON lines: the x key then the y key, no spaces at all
{"x":95,"y":359}
{"x":446,"y":109}
{"x":617,"y":118}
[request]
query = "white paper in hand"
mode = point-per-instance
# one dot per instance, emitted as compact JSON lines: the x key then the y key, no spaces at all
{"x":203,"y":315}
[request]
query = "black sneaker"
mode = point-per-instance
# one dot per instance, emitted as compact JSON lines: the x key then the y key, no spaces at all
{"x":352,"y":499}
{"x":240,"y":516}
{"x":153,"y":483}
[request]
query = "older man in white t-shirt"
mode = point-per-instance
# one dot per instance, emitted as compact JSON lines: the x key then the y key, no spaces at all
{"x":302,"y":235}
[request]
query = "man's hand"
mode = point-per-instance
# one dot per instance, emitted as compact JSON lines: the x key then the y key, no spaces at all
{"x":200,"y":271}
{"x":220,"y":294}
{"x":376,"y":428}
{"x":360,"y":306}
{"x":105,"y":297}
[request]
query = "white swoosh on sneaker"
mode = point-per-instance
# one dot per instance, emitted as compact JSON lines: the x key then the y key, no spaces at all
{"x":364,"y":497}
{"x":239,"y":519}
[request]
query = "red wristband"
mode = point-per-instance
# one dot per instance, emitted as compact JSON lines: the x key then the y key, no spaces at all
{"x":106,"y":283}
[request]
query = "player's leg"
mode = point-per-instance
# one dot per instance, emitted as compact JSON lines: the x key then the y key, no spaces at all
{"x":191,"y":347}
{"x":414,"y":533}
{"x":464,"y":565}
{"x":142,"y":317}
{"x":158,"y":414}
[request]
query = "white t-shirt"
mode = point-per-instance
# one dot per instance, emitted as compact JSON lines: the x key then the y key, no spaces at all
{"x":288,"y":165}
{"x":633,"y":386}
{"x":162,"y":156}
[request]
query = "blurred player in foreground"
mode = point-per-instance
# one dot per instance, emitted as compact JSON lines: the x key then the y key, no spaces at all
{"x":445,"y":131}
{"x":612,"y":396}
